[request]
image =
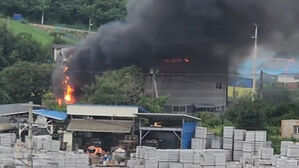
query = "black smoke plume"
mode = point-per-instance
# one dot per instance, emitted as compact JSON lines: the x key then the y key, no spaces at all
{"x":211,"y":34}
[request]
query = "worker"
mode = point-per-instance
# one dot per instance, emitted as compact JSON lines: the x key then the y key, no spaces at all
{"x":95,"y":151}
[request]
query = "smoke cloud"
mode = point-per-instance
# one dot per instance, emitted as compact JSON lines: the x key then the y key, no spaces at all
{"x":210,"y":33}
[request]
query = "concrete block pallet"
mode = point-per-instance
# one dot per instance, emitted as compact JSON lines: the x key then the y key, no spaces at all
{"x":186,"y":156}
{"x":201,"y":132}
{"x":228,"y":132}
{"x":217,"y":143}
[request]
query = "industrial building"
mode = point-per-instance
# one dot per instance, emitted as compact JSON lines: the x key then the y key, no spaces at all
{"x":189,"y":93}
{"x":239,"y":87}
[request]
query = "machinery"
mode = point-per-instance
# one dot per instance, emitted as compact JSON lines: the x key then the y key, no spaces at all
{"x":95,"y":148}
{"x":95,"y":151}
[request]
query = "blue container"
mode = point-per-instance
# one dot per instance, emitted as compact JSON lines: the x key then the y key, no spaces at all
{"x":187,"y":134}
{"x":17,"y":17}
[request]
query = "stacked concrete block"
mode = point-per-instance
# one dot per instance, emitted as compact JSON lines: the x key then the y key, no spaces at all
{"x":266,"y":153}
{"x":211,"y":159}
{"x":186,"y":156}
{"x":216,"y":143}
{"x":239,"y":137}
{"x":168,"y":155}
{"x":163,"y":164}
{"x":198,"y":143}
{"x":150,"y":153}
{"x":200,"y":140}
{"x":286,"y":163}
{"x":55,"y":145}
{"x":6,"y":155}
{"x":284,"y":147}
{"x":175,"y":165}
{"x":293,"y":151}
{"x":188,"y":165}
{"x":7,"y":139}
{"x":228,"y":132}
{"x":248,"y":149}
{"x":228,"y":135}
{"x":258,"y":137}
{"x":151,"y":164}
{"x":201,"y":132}
{"x":233,"y":165}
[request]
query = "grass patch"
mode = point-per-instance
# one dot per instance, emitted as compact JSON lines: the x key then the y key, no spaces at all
{"x":39,"y":35}
{"x":217,"y":130}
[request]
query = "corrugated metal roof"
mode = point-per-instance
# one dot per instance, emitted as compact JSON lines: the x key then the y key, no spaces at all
{"x":51,"y":114}
{"x":103,"y":110}
{"x":11,"y":109}
{"x":169,"y":116}
{"x":113,"y":126}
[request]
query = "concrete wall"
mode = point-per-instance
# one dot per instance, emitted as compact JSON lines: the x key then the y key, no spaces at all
{"x":287,"y":128}
{"x":189,"y":89}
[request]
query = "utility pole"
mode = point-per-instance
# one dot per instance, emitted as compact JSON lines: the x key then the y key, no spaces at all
{"x":235,"y":82}
{"x":30,"y":159}
{"x":89,"y":24}
{"x":154,"y":84}
{"x":43,"y":16}
{"x":261,"y":84}
{"x":254,"y":62}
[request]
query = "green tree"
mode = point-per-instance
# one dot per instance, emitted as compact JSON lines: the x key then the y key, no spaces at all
{"x":248,"y":114}
{"x":109,"y":10}
{"x":49,"y":101}
{"x":121,"y":87}
{"x":25,"y":81}
{"x":27,"y":49}
{"x":58,"y":38}
{"x":4,"y":97}
{"x":7,"y":46}
{"x":153,"y":105}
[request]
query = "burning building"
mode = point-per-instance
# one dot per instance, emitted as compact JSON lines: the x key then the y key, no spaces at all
{"x":192,"y":43}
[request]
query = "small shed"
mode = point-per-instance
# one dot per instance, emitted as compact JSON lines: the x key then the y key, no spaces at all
{"x":106,"y":125}
{"x":290,"y":128}
{"x":160,"y":125}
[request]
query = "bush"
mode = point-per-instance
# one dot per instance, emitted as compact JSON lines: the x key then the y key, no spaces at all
{"x":211,"y":120}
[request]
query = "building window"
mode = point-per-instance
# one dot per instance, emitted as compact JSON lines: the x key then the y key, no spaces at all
{"x":218,"y":85}
{"x":296,"y":129}
{"x":207,"y":109}
{"x":179,"y":108}
{"x":175,"y":108}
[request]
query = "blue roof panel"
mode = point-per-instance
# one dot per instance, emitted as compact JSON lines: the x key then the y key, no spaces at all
{"x":241,"y":82}
{"x":51,"y":114}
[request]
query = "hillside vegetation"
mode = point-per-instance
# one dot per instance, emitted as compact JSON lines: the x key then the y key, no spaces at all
{"x":39,"y":35}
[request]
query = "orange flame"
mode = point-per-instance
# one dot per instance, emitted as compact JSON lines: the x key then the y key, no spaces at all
{"x":59,"y":102}
{"x":68,"y":95}
{"x":68,"y":90}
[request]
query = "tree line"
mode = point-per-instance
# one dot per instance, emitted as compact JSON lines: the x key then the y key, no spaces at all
{"x":72,"y":12}
{"x":25,"y":67}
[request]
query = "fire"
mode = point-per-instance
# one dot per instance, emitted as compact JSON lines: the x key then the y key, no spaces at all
{"x":59,"y":102}
{"x":177,"y":60}
{"x":68,"y":89}
{"x":68,"y":95}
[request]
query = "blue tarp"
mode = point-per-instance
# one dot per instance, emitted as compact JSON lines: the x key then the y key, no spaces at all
{"x":187,"y":134}
{"x":51,"y":114}
{"x":17,"y":17}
